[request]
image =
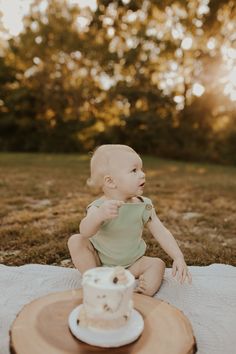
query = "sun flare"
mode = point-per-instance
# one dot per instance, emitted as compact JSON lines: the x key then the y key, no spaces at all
{"x":13,"y":11}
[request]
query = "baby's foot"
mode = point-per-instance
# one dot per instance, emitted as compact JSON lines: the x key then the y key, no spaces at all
{"x":141,"y":287}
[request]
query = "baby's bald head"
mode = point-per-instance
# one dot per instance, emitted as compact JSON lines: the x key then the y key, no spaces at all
{"x":103,"y":161}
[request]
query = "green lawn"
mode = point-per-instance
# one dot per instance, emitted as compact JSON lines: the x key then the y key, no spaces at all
{"x":43,"y":198}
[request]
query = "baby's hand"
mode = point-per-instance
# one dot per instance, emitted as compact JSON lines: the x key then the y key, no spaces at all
{"x":109,"y":209}
{"x":180,"y":266}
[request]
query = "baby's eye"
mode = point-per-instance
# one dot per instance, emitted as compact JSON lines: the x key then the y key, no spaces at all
{"x":134,"y":170}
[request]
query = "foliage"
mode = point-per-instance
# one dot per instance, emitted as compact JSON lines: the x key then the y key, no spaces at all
{"x":76,"y":78}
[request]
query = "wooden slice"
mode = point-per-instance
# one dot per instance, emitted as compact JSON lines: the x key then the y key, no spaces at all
{"x":42,"y":328}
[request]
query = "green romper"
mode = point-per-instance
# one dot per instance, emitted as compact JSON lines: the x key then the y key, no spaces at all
{"x":119,"y":241}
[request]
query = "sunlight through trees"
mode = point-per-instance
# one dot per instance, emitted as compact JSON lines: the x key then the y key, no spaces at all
{"x":159,"y":75}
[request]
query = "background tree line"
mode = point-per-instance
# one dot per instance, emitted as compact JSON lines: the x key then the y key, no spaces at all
{"x":158,"y":75}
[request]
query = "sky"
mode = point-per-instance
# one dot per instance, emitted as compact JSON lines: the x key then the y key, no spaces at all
{"x":14,"y":10}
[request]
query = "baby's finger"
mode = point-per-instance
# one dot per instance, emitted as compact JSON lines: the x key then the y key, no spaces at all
{"x":116,"y":203}
{"x":180,"y":277}
{"x":113,"y":215}
{"x":113,"y":208}
{"x":114,"y":211}
{"x":119,"y":203}
{"x":184,"y":275}
{"x":189,"y":277}
{"x":174,"y":270}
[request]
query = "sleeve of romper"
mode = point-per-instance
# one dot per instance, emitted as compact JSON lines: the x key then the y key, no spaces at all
{"x":147,"y":210}
{"x":95,"y":203}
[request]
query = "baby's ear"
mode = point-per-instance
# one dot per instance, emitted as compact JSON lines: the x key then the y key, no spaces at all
{"x":108,"y":182}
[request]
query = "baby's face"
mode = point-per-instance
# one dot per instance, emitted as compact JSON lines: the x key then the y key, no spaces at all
{"x":127,"y":173}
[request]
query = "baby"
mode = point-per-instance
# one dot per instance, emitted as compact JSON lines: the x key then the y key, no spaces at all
{"x":111,"y":231}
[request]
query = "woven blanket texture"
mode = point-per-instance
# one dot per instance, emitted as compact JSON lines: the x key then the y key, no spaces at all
{"x":209,"y":302}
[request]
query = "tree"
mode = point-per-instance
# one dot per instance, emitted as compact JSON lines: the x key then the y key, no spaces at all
{"x":84,"y":77}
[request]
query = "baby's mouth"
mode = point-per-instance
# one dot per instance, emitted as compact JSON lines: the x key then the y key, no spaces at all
{"x":142,"y":184}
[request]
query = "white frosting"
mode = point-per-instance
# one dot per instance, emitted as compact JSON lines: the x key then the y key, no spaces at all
{"x":107,"y":297}
{"x":101,"y":277}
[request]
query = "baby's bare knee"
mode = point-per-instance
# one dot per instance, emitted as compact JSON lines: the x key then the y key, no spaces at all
{"x":150,"y":290}
{"x":76,"y":241}
{"x":157,"y":265}
{"x":153,"y":276}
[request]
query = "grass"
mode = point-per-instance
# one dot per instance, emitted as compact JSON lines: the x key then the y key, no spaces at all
{"x":43,"y":199}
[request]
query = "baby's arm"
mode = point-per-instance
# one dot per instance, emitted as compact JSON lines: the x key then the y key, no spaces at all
{"x":169,"y":245}
{"x":97,"y":215}
{"x":164,"y":236}
{"x":91,"y":223}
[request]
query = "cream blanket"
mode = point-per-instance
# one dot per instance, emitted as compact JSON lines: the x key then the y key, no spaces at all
{"x":209,"y":303}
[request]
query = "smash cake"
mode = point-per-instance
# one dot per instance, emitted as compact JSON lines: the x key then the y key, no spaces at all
{"x":107,"y":298}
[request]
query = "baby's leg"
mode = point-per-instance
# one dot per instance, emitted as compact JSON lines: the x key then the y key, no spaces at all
{"x":82,"y":252}
{"x":150,"y":273}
